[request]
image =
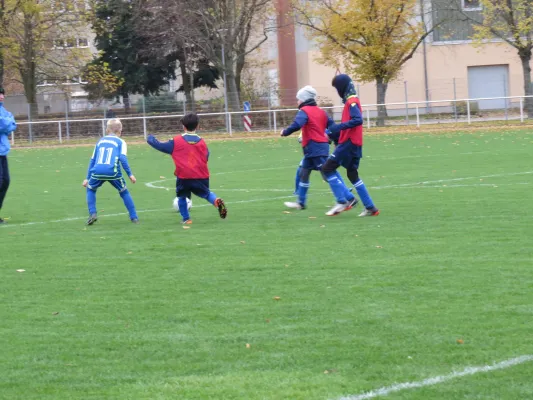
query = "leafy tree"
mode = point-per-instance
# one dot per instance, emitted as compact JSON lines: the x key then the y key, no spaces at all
{"x":101,"y":82}
{"x":120,"y":49}
{"x":30,"y":31}
{"x":373,"y":39}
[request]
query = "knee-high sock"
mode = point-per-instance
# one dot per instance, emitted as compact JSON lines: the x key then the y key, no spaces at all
{"x":182,"y":205}
{"x":211,"y":198}
{"x":297,"y":181}
{"x":91,"y":201}
{"x":337,"y":187}
{"x":363,"y":194}
{"x":302,"y":191}
{"x":349,"y":195}
{"x":128,"y":202}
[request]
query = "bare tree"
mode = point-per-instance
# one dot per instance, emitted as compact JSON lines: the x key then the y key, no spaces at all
{"x":224,"y":31}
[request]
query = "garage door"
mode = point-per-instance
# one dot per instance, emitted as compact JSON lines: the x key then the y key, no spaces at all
{"x":489,"y":81}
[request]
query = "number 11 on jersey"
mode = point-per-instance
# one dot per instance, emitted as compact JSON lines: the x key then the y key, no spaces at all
{"x":101,"y":152}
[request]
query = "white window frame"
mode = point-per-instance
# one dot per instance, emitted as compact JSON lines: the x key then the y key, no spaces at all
{"x":466,"y":8}
{"x":76,"y":46}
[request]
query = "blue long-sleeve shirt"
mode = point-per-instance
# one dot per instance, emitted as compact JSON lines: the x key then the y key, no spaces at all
{"x":110,"y":153}
{"x":356,"y":119}
{"x":168,"y":147}
{"x":164,"y":147}
{"x":7,"y":126}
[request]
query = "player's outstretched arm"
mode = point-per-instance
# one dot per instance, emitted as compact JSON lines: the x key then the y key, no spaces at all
{"x":299,"y":121}
{"x":356,"y":119}
{"x":167,"y":147}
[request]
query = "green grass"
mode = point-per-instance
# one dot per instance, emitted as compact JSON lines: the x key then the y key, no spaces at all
{"x":155,"y":311}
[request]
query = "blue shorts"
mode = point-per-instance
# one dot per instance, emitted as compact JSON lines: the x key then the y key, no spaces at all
{"x":348,"y":155}
{"x":313,"y":163}
{"x":119,"y":184}
{"x":200,"y":187}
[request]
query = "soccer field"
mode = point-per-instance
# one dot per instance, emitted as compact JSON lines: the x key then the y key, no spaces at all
{"x":269,"y":304}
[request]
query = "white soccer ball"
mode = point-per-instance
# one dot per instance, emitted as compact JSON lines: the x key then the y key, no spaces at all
{"x":176,"y":206}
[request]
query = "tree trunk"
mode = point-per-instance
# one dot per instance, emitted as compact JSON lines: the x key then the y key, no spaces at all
{"x":239,"y":67}
{"x":186,"y":83}
{"x":1,"y":69}
{"x":232,"y":91}
{"x":525,"y":57}
{"x":126,"y":100}
{"x":381,"y":87}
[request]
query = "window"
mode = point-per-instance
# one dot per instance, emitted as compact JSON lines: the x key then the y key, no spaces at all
{"x":71,"y":42}
{"x":82,"y":42}
{"x":471,"y":5}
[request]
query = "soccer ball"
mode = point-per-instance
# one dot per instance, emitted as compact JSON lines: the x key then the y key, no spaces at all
{"x":176,"y":206}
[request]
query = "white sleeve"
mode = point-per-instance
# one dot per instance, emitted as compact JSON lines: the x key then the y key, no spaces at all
{"x":124,"y":150}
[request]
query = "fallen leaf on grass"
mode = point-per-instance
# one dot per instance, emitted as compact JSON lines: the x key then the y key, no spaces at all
{"x":267,"y":321}
{"x":21,"y":270}
{"x":322,"y":226}
{"x":55,"y":313}
{"x":330,"y":371}
{"x":312,"y":217}
{"x":186,"y":227}
{"x":460,"y":341}
{"x":243,"y":242}
{"x":379,"y":247}
{"x":286,"y":212}
{"x":248,"y":345}
{"x":130,"y":252}
{"x":161,"y":177}
{"x":277,"y":298}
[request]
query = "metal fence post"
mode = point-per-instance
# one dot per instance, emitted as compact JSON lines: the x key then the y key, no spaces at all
{"x":275,"y":121}
{"x":454,"y":99}
{"x":59,"y":130}
{"x":13,"y":138}
{"x":144,"y":119}
{"x":406,"y":105}
{"x":103,"y":127}
{"x":66,"y":118}
{"x":521,"y":109}
{"x":229,"y":124}
{"x":468,"y":110}
{"x":30,"y":125}
{"x":417,"y":118}
{"x":505,"y":94}
{"x":368,"y":119}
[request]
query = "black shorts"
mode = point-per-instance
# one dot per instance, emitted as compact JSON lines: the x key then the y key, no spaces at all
{"x":199,"y":187}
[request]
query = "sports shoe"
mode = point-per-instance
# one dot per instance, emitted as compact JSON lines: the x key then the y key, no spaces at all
{"x":337,"y":209}
{"x":373,"y":212}
{"x":186,"y":222}
{"x":222,"y":210}
{"x":135,"y":220}
{"x":295,"y":205}
{"x":92,"y":219}
{"x":352,"y":204}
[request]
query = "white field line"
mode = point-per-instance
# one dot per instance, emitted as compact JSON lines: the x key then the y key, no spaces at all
{"x":398,"y":186}
{"x":454,"y":180}
{"x":385,"y":391}
{"x":295,"y":165}
{"x":139,"y":211}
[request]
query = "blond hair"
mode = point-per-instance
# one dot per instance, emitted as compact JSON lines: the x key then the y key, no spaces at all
{"x":114,"y":126}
